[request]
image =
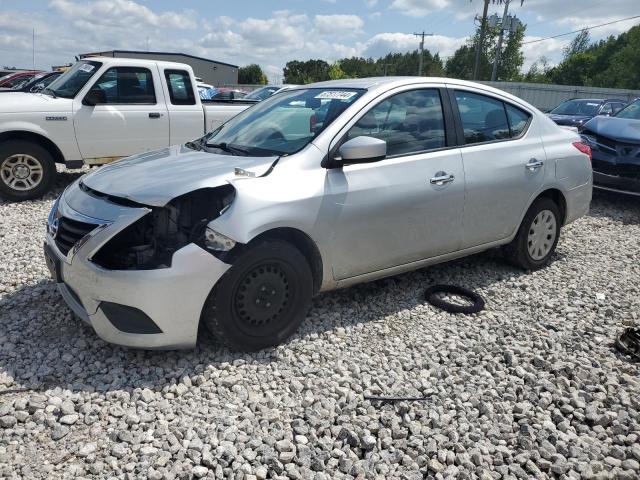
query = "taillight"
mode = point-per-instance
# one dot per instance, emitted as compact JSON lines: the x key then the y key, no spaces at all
{"x":584,"y":148}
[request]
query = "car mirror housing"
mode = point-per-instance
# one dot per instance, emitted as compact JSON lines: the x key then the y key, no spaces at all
{"x":95,"y":96}
{"x":361,"y":149}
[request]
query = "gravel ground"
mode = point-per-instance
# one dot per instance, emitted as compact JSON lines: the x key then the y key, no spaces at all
{"x":529,"y":388}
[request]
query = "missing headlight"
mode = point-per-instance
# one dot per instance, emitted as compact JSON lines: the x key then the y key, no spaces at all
{"x":151,"y":241}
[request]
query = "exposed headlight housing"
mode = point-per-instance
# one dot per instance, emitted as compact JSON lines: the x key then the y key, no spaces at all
{"x":216,"y":241}
{"x":151,"y":241}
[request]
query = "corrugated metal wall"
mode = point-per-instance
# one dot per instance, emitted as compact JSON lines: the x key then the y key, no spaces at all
{"x":546,"y":97}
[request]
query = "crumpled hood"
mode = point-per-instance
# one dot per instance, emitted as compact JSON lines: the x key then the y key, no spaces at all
{"x":155,"y":178}
{"x":618,"y":129}
{"x":26,"y":102}
{"x":568,"y":119}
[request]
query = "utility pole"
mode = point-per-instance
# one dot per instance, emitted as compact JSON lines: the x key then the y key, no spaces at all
{"x":385,"y":67}
{"x":421,"y":60}
{"x":483,"y":26}
{"x":494,"y":72}
{"x":33,"y":49}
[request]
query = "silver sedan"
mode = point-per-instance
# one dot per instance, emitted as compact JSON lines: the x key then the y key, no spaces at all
{"x":316,"y":188}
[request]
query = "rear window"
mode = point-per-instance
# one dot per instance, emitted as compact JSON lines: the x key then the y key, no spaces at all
{"x":180,"y":87}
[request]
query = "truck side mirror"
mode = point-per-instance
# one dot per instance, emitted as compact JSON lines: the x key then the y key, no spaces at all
{"x":95,"y":96}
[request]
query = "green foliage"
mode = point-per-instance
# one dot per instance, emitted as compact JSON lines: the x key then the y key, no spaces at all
{"x":300,"y":73}
{"x":579,"y":44}
{"x":357,"y":67}
{"x":608,"y":63}
{"x":251,"y":75}
{"x":461,"y":63}
{"x":336,"y":72}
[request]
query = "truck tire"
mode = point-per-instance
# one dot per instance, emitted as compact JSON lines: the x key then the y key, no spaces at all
{"x":27,"y":170}
{"x":262,"y":299}
{"x":537,"y":236}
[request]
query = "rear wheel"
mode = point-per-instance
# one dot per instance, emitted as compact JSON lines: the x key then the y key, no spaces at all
{"x":262,"y":299}
{"x":27,"y":170}
{"x":537,"y":236}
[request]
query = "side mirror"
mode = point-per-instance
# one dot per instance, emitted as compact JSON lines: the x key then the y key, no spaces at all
{"x":95,"y":96}
{"x":361,"y":150}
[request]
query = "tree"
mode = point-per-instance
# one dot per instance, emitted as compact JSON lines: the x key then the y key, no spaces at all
{"x":460,"y":64}
{"x":579,"y":44}
{"x":538,"y":72}
{"x":336,"y":73}
{"x":300,"y":73}
{"x":251,"y":75}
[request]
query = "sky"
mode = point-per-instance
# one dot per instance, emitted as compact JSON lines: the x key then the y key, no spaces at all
{"x":272,"y":32}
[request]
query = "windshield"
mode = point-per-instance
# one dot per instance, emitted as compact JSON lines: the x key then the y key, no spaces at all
{"x":262,"y":93}
{"x":577,"y":107}
{"x":631,"y":111}
{"x":69,"y":83}
{"x":283,"y":124}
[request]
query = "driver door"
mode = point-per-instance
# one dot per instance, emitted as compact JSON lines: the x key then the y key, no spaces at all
{"x":394,"y":212}
{"x":131,"y":117}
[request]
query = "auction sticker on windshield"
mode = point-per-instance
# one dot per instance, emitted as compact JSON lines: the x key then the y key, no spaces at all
{"x":87,"y":67}
{"x":336,"y":94}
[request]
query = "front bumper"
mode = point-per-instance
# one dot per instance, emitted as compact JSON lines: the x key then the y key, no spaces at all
{"x":172,"y":298}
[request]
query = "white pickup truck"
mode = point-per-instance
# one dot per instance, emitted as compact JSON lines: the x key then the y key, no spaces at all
{"x":100,"y":110}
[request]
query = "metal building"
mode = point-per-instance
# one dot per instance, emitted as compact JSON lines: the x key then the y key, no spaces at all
{"x":211,"y":71}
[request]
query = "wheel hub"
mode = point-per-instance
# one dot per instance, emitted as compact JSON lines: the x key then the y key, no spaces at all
{"x":542,"y":234}
{"x":21,"y":172}
{"x":262,"y":295}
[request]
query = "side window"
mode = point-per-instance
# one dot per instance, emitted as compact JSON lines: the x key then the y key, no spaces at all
{"x":128,"y":85}
{"x":518,"y":120}
{"x":607,"y":108}
{"x":180,"y":87}
{"x":409,"y":122}
{"x":483,"y":118}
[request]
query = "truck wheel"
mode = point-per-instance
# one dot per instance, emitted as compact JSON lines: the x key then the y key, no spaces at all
{"x":262,"y":299}
{"x":537,"y":236}
{"x":27,"y":170}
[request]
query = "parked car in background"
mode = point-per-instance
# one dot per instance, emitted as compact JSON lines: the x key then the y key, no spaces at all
{"x":223,"y":93}
{"x":575,"y":112}
{"x":266,"y":92}
{"x":239,"y":229}
{"x":100,"y":110}
{"x":39,"y":82}
{"x":13,"y":79}
{"x":615,"y":143}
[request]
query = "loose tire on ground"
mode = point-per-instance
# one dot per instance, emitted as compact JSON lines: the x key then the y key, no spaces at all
{"x":431,"y":295}
{"x":537,"y":236}
{"x":27,"y":170}
{"x":262,"y":299}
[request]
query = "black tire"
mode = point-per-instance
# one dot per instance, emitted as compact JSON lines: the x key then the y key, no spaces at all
{"x":18,"y":190}
{"x":431,"y":294}
{"x":518,"y":250}
{"x":262,"y":299}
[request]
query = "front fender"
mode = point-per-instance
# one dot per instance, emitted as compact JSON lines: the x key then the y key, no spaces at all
{"x":58,"y":130}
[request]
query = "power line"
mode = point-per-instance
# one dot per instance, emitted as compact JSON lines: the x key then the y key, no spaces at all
{"x":578,"y":31}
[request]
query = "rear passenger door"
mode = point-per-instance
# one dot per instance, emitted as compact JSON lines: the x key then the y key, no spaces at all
{"x":186,"y":116}
{"x":131,"y":117}
{"x":503,"y":161}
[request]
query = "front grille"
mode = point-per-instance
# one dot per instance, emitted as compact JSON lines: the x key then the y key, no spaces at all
{"x":71,"y":232}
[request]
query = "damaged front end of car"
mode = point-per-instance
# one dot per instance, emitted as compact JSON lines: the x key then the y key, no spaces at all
{"x":151,"y":241}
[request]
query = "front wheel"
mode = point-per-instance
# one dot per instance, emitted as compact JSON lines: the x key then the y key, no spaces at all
{"x":537,"y":236}
{"x":27,"y":170}
{"x":262,"y":299}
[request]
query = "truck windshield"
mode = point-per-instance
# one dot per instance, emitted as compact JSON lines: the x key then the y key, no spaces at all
{"x":69,"y":83}
{"x":282,"y":124}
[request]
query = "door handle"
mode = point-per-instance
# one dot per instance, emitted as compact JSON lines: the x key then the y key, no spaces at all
{"x":534,"y":164}
{"x":154,"y":115}
{"x":442,"y":178}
